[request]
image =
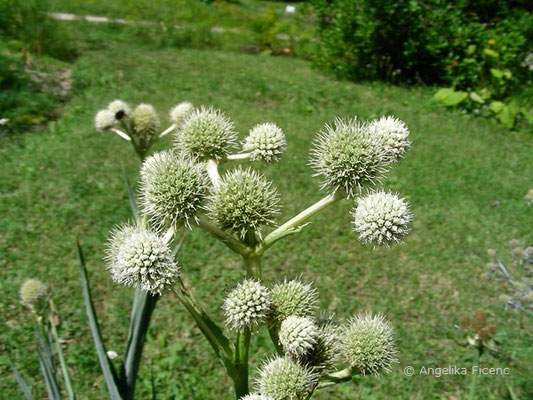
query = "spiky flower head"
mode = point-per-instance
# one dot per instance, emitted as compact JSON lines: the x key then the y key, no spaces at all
{"x":327,"y":349}
{"x":293,"y":298}
{"x":206,"y":133}
{"x":140,"y":258}
{"x":173,"y":188}
{"x":255,"y":396}
{"x":32,"y":291}
{"x":393,"y":134}
{"x":284,"y":379}
{"x":381,"y":218}
{"x":266,"y":142}
{"x":104,"y":120}
{"x":119,"y":109}
{"x":244,"y":201}
{"x":298,"y":335}
{"x":347,"y":156}
{"x":246,"y":305}
{"x":368,"y":344}
{"x":180,"y":112}
{"x":145,"y":121}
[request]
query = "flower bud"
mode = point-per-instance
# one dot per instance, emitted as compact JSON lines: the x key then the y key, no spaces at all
{"x":281,"y":379}
{"x":266,"y":142}
{"x":298,"y":335}
{"x":293,"y":298}
{"x":392,"y":134}
{"x":145,"y":122}
{"x":104,"y":120}
{"x":206,"y":133}
{"x":180,"y":112}
{"x":32,"y":291}
{"x":368,"y":344}
{"x":140,"y":258}
{"x":246,"y":305}
{"x":491,"y":253}
{"x":173,"y":188}
{"x":514,"y":243}
{"x":381,"y":218}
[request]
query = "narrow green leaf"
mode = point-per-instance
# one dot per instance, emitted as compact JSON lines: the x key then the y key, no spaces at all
{"x":47,"y":358}
{"x":51,"y":384}
{"x":20,"y":380}
{"x":62,"y":362}
{"x":107,"y":368}
{"x":131,"y":196}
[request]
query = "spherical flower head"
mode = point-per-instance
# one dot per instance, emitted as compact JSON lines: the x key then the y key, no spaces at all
{"x":293,"y":298}
{"x":246,"y":305}
{"x":298,"y":335}
{"x":266,"y":142}
{"x":145,"y":121}
{"x":206,"y":133}
{"x":393,"y":135}
{"x":119,"y":109}
{"x":104,"y":120}
{"x":179,"y":113}
{"x":381,"y":218}
{"x":282,"y":379}
{"x":327,"y":349}
{"x":368,"y":344}
{"x":32,"y":291}
{"x":140,"y":258}
{"x":244,"y":201}
{"x":173,"y":188}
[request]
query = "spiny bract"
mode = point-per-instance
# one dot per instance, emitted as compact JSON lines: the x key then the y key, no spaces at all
{"x":393,"y":134}
{"x":145,"y":121}
{"x":140,"y":258}
{"x":32,"y":291}
{"x":368,"y":344}
{"x":173,"y":188}
{"x":381,"y":218}
{"x":347,"y":156}
{"x":104,"y":119}
{"x":298,"y":335}
{"x":293,"y":298}
{"x":206,"y":133}
{"x":244,"y":201}
{"x":283,"y":379}
{"x":266,"y":142}
{"x":246,"y":305}
{"x":179,"y":113}
{"x":119,"y":109}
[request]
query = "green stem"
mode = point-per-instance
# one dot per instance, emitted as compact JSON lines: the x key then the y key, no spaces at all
{"x":292,"y":226}
{"x":62,"y":362}
{"x":212,"y":171}
{"x":241,"y":363}
{"x":234,"y":244}
{"x":337,"y":377}
{"x":273,"y":332}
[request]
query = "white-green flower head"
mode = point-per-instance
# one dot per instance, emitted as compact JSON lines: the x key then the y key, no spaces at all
{"x":179,"y":113}
{"x":206,"y":133}
{"x":266,"y":142}
{"x":246,"y":305}
{"x":381,"y":218}
{"x":393,"y":134}
{"x":173,"y":188}
{"x":244,"y":201}
{"x":327,"y":349}
{"x":255,"y":396}
{"x":347,"y":157}
{"x":32,"y":291}
{"x":368,"y":344}
{"x":119,"y":109}
{"x":298,"y":335}
{"x":145,"y":121}
{"x":140,"y":258}
{"x":284,"y":379}
{"x":293,"y":298}
{"x":104,"y":120}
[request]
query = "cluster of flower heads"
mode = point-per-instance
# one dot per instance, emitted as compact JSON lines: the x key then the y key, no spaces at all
{"x":312,"y":346}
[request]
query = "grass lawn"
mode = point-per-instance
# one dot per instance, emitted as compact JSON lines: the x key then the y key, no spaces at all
{"x":465,"y":177}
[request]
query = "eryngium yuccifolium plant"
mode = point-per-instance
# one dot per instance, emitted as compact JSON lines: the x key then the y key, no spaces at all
{"x":368,"y":344}
{"x":173,"y":188}
{"x":32,"y":291}
{"x":293,"y":298}
{"x":265,"y":142}
{"x":282,"y":378}
{"x":393,"y":134}
{"x":381,"y":218}
{"x":244,"y":201}
{"x":145,"y":122}
{"x":119,"y":109}
{"x":179,"y":113}
{"x":298,"y":335}
{"x":140,"y":258}
{"x":246,"y":305}
{"x":206,"y":133}
{"x":104,"y":120}
{"x":347,"y":156}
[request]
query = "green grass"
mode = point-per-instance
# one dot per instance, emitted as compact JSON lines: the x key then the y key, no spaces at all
{"x":66,"y":182}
